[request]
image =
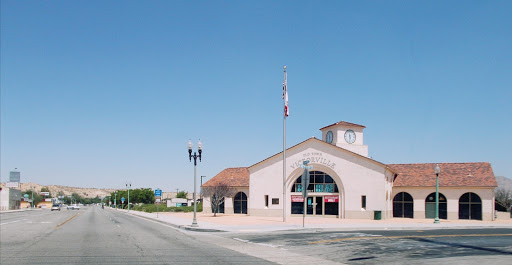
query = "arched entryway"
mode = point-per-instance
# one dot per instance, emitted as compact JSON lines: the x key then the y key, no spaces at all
{"x":470,"y":206}
{"x":403,"y":205}
{"x":323,"y":195}
{"x":240,"y":203}
{"x":430,"y":206}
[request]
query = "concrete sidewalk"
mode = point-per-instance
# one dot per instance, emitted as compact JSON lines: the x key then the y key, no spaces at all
{"x":245,"y":223}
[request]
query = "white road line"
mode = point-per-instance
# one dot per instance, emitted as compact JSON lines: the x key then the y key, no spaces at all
{"x":13,"y":222}
{"x":261,"y":244}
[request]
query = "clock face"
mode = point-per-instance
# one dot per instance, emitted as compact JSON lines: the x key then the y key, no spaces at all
{"x":350,"y":136}
{"x":328,"y":137}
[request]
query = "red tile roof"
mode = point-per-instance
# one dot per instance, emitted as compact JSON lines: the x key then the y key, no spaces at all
{"x":345,"y":124}
{"x":233,"y":177}
{"x":478,"y":174}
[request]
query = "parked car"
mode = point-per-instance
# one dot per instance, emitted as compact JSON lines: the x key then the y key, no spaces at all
{"x":55,"y":207}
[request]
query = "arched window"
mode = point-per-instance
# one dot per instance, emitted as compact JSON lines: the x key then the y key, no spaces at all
{"x":430,"y":206}
{"x":403,"y":205}
{"x":240,"y":203}
{"x":318,"y":182}
{"x":470,"y":206}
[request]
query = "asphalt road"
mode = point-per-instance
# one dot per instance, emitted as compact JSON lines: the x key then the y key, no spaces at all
{"x":96,"y":236}
{"x":447,"y":246}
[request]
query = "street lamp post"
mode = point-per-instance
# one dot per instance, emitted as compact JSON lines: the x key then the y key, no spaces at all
{"x":437,"y":170}
{"x":128,"y":186}
{"x":115,"y":199}
{"x":195,"y":156}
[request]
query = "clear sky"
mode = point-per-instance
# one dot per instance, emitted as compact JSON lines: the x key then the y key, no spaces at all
{"x":97,"y":93}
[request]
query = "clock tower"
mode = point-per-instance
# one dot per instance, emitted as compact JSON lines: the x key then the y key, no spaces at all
{"x":346,"y":135}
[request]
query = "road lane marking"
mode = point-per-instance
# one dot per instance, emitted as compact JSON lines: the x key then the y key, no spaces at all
{"x":12,"y":222}
{"x":261,"y":244}
{"x":404,"y":237}
{"x":67,"y":220}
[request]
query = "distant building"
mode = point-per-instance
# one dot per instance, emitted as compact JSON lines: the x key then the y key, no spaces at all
{"x":10,"y":199}
{"x":346,"y":183}
{"x":14,"y":176}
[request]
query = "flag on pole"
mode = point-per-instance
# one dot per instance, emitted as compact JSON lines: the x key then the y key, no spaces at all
{"x":285,"y":97}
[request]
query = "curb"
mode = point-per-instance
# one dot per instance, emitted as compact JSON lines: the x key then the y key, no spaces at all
{"x":184,"y":227}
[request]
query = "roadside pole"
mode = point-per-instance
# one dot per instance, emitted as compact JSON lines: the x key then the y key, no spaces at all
{"x":305,"y":184}
{"x":158,"y":196}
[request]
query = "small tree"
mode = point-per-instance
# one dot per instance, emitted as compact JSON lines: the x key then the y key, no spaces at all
{"x":217,"y":194}
{"x":182,"y":194}
{"x":503,"y":197}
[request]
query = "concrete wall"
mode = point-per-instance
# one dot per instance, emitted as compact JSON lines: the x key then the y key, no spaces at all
{"x":503,"y":216}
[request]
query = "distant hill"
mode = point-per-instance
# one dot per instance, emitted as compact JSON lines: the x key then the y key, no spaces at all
{"x":504,"y":182}
{"x":55,"y":189}
{"x":84,"y":192}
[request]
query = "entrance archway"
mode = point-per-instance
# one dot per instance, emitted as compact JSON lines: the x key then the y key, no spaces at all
{"x":430,"y":206}
{"x":323,"y":195}
{"x":240,"y":203}
{"x":403,"y":205}
{"x":470,"y":206}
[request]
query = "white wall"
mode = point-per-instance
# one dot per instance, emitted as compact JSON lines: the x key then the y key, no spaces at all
{"x":362,"y":175}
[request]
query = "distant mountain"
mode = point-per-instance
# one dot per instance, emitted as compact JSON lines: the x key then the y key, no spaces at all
{"x":504,"y":182}
{"x":55,"y":189}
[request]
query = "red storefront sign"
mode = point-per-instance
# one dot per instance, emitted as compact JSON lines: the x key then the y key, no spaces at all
{"x":297,"y":198}
{"x":331,"y":198}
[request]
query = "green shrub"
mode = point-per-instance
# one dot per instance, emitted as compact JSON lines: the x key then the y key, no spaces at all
{"x":151,"y":208}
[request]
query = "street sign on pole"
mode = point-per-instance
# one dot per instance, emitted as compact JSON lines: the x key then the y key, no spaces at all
{"x":122,"y":200}
{"x":305,"y":184}
{"x":158,"y":193}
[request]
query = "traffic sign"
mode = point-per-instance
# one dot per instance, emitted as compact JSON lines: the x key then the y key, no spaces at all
{"x":122,"y":200}
{"x":158,"y":193}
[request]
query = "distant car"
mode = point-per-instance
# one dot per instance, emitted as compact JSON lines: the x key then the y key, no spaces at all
{"x":55,"y":207}
{"x":73,"y":207}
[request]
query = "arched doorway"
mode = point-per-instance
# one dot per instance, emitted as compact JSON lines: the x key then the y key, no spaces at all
{"x":240,"y":203}
{"x":323,"y":195}
{"x":430,"y":206}
{"x":470,"y":206}
{"x":403,"y":205}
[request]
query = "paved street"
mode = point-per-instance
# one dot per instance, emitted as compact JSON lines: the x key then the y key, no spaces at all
{"x":450,"y":246}
{"x":107,"y":236}
{"x":96,"y":236}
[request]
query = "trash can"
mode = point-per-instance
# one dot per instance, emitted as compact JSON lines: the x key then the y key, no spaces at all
{"x":377,"y":215}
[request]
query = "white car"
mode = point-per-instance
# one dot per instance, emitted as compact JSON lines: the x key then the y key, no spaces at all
{"x":55,"y":207}
{"x":74,"y":207}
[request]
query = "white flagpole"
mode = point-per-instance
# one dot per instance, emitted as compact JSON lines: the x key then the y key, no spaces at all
{"x":284,"y":144}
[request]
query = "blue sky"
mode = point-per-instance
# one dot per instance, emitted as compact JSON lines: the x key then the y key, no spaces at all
{"x":97,"y":93}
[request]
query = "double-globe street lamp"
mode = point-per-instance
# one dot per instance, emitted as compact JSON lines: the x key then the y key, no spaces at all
{"x":437,"y":170}
{"x":195,"y":156}
{"x":128,"y":186}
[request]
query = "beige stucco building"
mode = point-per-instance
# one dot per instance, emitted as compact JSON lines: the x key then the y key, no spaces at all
{"x":345,"y":183}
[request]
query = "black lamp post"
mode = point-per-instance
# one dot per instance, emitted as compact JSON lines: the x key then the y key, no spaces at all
{"x":128,"y":186}
{"x":195,"y":156}
{"x":437,"y":170}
